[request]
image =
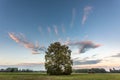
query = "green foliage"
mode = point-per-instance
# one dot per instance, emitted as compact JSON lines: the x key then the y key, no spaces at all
{"x":58,"y":60}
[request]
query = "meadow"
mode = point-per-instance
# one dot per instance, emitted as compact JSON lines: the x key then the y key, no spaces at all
{"x":42,"y":76}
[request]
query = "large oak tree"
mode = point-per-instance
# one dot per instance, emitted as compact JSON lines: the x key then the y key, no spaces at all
{"x":58,"y":59}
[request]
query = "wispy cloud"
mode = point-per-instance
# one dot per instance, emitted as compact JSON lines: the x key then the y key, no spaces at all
{"x":93,"y":56}
{"x":87,"y":10}
{"x":83,"y":45}
{"x":85,"y":37}
{"x":15,"y":38}
{"x":67,"y":42}
{"x":30,"y":64}
{"x":63,"y":28}
{"x":18,"y":38}
{"x":55,"y":29}
{"x":49,"y":29}
{"x":117,"y":55}
{"x":86,"y":62}
{"x":40,"y":29}
{"x":73,"y":17}
{"x":80,"y":59}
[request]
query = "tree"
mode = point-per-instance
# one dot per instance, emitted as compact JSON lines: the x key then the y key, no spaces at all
{"x":114,"y":70}
{"x":58,"y":59}
{"x":12,"y":69}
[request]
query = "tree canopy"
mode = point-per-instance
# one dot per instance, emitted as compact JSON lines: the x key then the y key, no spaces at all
{"x":58,"y":59}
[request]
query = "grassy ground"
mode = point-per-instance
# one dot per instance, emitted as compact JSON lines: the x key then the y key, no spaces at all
{"x":40,"y":76}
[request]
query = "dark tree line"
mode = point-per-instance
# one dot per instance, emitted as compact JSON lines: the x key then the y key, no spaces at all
{"x":93,"y":70}
{"x":10,"y":69}
{"x":114,"y":70}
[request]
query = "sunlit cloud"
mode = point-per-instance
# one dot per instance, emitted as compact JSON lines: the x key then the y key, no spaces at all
{"x":83,"y":46}
{"x":73,"y":17}
{"x":117,"y":55}
{"x":18,"y":38}
{"x":87,"y":10}
{"x":15,"y":38}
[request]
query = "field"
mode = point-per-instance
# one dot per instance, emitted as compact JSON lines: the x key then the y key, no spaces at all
{"x":40,"y":76}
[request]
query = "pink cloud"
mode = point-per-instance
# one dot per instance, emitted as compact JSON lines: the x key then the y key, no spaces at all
{"x":55,"y":29}
{"x":49,"y":29}
{"x":20,"y":39}
{"x":15,"y":38}
{"x":83,"y":46}
{"x":87,"y":10}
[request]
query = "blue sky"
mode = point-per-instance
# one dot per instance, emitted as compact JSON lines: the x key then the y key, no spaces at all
{"x":26,"y":25}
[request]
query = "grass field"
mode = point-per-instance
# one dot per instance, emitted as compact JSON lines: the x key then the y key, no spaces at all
{"x":40,"y":76}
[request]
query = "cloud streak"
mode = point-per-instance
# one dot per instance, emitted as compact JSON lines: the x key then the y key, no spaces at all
{"x":55,"y":29}
{"x":86,"y":62}
{"x":63,"y":28}
{"x":18,"y":38}
{"x":49,"y":29}
{"x":29,"y":64}
{"x":73,"y":17}
{"x":40,"y":29}
{"x":83,"y":46}
{"x":78,"y":58}
{"x":117,"y":55}
{"x":87,"y":10}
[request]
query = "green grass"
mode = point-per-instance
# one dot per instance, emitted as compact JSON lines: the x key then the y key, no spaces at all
{"x":40,"y":76}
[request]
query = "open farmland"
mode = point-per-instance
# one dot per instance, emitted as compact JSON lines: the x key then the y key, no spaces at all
{"x":40,"y":76}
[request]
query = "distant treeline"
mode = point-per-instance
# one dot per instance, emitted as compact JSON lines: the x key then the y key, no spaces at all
{"x":93,"y":70}
{"x":15,"y":70}
{"x":96,"y":70}
{"x":114,"y":70}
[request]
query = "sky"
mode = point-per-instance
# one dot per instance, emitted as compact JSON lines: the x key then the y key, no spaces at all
{"x":89,"y":27}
